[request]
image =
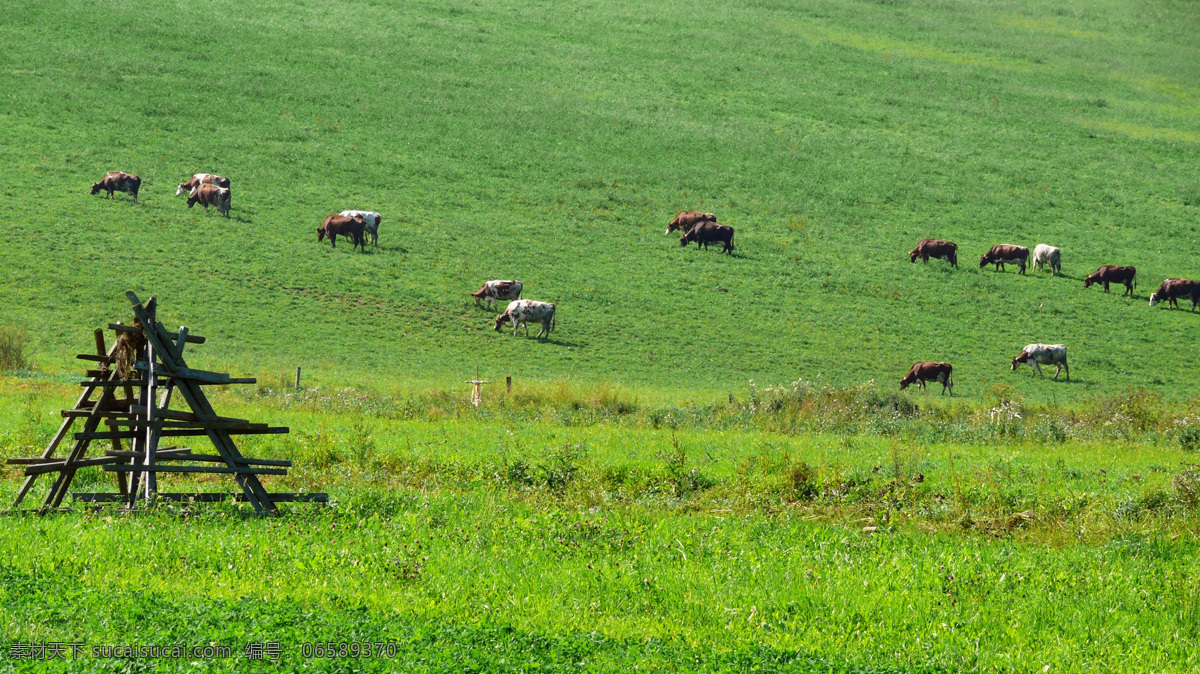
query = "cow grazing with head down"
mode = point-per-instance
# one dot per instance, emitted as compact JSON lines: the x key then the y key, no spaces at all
{"x":524,"y":312}
{"x":1173,"y":289}
{"x":923,"y":372}
{"x":491,"y":291}
{"x":351,"y":228}
{"x":686,"y":219}
{"x":1111,"y":273}
{"x":1050,"y":256}
{"x":1005,"y":253}
{"x":207,"y":194}
{"x":704,"y":233}
{"x":937,"y":249}
{"x":1044,"y":354}
{"x":118,"y":181}
{"x":371,"y":220}
{"x":199,"y":179}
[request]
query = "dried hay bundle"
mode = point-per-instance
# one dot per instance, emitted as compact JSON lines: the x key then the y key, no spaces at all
{"x":129,"y":344}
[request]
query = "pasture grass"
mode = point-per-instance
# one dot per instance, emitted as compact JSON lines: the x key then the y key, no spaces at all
{"x":581,"y":531}
{"x":551,"y":142}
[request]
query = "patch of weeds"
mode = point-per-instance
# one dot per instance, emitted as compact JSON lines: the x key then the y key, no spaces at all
{"x":13,"y":342}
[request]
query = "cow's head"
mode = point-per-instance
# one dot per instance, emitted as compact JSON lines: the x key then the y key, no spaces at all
{"x":908,"y":379}
{"x":1153,"y":299}
{"x":1020,"y":358}
{"x":95,"y":187}
{"x":321,"y":234}
{"x":683,"y":240}
{"x":983,"y":260}
{"x":500,"y":320}
{"x":912,"y":257}
{"x":180,"y":190}
{"x":1089,"y":280}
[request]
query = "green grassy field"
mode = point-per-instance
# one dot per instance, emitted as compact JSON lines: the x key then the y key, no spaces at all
{"x":648,"y":498}
{"x":551,"y":143}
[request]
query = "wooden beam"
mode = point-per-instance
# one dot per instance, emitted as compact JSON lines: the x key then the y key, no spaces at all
{"x":63,"y":465}
{"x":96,"y":359}
{"x":121,"y":327}
{"x":205,"y":497}
{"x":194,"y":469}
{"x":163,"y":455}
{"x":170,"y":424}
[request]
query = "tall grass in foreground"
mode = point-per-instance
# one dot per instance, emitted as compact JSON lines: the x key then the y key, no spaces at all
{"x":13,"y":344}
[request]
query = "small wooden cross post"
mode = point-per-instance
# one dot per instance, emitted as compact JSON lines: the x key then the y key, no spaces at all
{"x":477,"y":390}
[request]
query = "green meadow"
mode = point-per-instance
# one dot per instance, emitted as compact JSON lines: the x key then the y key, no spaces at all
{"x":551,"y":143}
{"x":707,"y":466}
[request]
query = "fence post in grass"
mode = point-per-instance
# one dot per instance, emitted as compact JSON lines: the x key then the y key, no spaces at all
{"x":297,"y":376}
{"x":508,"y":384}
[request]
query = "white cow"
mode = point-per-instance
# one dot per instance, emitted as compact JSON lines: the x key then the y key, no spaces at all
{"x":199,"y":179}
{"x":524,"y":312}
{"x":1044,"y":354}
{"x":370,"y":219}
{"x":1047,"y":255}
{"x":491,"y":291}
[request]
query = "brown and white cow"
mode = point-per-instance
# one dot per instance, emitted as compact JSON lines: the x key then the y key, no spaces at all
{"x":199,"y":179}
{"x":371,"y":220}
{"x":1111,"y":273}
{"x":1173,"y":289}
{"x":937,"y":249}
{"x":351,"y":228}
{"x":704,"y":233}
{"x":524,"y":312}
{"x":207,"y":195}
{"x":686,"y":219}
{"x":1005,"y":253}
{"x":119,"y":181}
{"x":491,"y":291}
{"x":926,"y":371}
{"x":1043,"y":354}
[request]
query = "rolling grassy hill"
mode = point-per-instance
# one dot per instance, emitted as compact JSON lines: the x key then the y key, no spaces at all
{"x":551,"y":142}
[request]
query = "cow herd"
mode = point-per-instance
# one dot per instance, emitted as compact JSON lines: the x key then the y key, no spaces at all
{"x":1044,"y":255}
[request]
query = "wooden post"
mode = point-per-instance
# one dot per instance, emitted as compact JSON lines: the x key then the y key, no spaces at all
{"x":508,"y":384}
{"x":297,"y":376}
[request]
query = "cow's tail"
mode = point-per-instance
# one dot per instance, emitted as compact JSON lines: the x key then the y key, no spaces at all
{"x":554,"y":319}
{"x":1133,"y":280}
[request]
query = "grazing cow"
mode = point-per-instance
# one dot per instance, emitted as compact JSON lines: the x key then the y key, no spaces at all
{"x":1047,"y":255}
{"x":1044,"y":354}
{"x":1004,"y":253}
{"x":524,"y":312}
{"x":1174,"y":288}
{"x":707,"y":232}
{"x":686,"y":219}
{"x":119,"y":181}
{"x":371,"y":220}
{"x":491,"y":291}
{"x":1111,"y":273}
{"x":199,"y":179}
{"x":351,"y":228}
{"x":207,"y":194}
{"x":937,"y":249}
{"x":923,"y":372}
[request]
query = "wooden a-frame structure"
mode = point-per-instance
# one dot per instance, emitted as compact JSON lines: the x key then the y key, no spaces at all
{"x":145,"y":366}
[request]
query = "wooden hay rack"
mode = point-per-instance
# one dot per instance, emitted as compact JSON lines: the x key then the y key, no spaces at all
{"x":146,"y":368}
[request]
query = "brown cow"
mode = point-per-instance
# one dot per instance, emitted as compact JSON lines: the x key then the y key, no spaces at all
{"x":119,"y":181}
{"x":1174,"y":288}
{"x":1111,"y":273}
{"x":686,"y":219}
{"x":210,"y":195}
{"x":920,"y":373}
{"x":707,"y":232}
{"x":1002,"y":253}
{"x":491,"y":291}
{"x":351,"y":228}
{"x":935,"y":248}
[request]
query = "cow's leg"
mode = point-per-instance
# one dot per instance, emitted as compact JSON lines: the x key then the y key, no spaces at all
{"x":1058,"y":371}
{"x":333,"y":240}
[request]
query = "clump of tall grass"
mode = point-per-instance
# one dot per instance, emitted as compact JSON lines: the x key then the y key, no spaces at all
{"x":13,"y":342}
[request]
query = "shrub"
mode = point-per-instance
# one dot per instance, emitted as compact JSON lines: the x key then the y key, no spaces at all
{"x":13,"y":342}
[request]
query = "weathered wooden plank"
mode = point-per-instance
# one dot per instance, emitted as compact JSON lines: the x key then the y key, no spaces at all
{"x":117,"y":383}
{"x":163,"y":455}
{"x":78,"y":463}
{"x":194,"y":469}
{"x":105,"y":414}
{"x":181,"y":433}
{"x":94,"y":358}
{"x":170,"y":424}
{"x":121,"y":327}
{"x":138,"y":455}
{"x":205,"y":497}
